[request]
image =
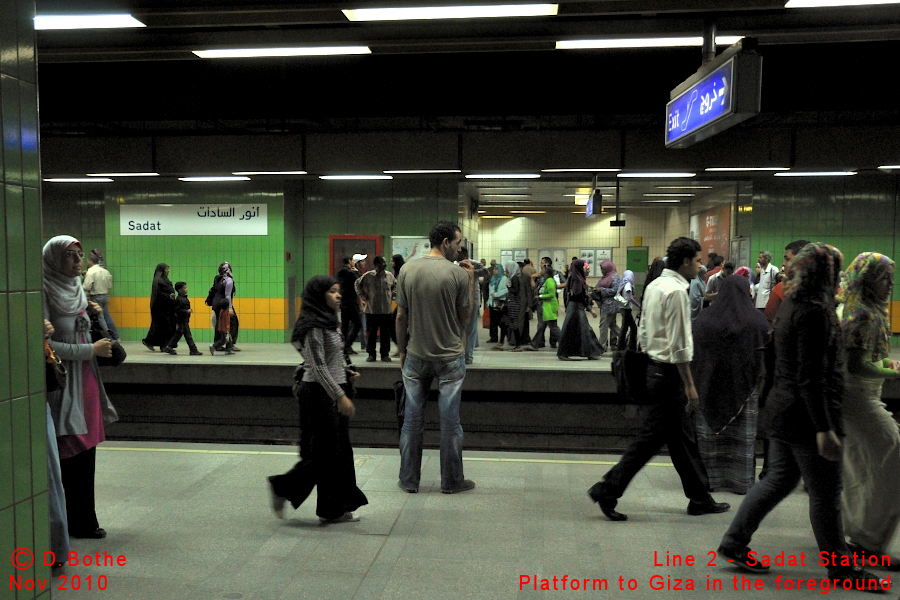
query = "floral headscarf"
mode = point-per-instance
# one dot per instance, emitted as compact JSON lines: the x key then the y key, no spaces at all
{"x":865,"y":317}
{"x":814,"y":274}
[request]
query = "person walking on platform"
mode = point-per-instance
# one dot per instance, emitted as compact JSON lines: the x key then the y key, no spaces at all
{"x":351,"y":322}
{"x":577,"y":339}
{"x":375,"y":289}
{"x":777,"y":295}
{"x":183,"y":312}
{"x":434,"y":305}
{"x":547,"y":306}
{"x":665,"y":335}
{"x":223,"y":305}
{"x":162,"y":309}
{"x":475,"y":322}
{"x":324,"y":392}
{"x":97,"y":283}
{"x":497,"y":296}
{"x":870,"y":509}
{"x":803,"y":420}
{"x":604,"y":295}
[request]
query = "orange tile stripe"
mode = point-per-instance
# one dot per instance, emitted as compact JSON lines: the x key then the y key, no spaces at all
{"x":255,"y":313}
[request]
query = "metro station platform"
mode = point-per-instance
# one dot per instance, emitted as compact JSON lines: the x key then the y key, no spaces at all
{"x":193,"y":521}
{"x":527,"y":401}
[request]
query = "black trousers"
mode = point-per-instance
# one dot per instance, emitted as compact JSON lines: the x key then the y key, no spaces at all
{"x":78,"y":482}
{"x":628,"y":333}
{"x":382,"y":324}
{"x":666,"y":423}
{"x":182,"y":329}
{"x":326,"y":457}
{"x":495,"y":327}
{"x":351,"y":324}
{"x":538,"y":340}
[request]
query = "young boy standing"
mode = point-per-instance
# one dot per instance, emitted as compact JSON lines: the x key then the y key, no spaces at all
{"x":183,"y":312}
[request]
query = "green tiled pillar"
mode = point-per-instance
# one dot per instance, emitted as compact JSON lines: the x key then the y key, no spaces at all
{"x":23,"y":437}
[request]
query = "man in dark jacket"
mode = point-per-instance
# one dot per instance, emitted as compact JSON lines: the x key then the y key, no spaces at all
{"x":351,"y":322}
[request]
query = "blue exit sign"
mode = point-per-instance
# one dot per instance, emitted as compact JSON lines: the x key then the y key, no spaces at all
{"x":701,"y":104}
{"x":722,"y":93}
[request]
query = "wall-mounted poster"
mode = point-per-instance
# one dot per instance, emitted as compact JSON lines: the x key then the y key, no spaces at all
{"x":740,"y":252}
{"x":516,"y":254}
{"x":601,"y":254}
{"x":520,"y":254}
{"x":712,"y":228}
{"x":340,"y":246}
{"x":410,"y":247}
{"x":560,"y":260}
{"x":505,"y":256}
{"x":587,"y":255}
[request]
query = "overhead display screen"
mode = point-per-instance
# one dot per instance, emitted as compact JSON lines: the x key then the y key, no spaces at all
{"x":704,"y":102}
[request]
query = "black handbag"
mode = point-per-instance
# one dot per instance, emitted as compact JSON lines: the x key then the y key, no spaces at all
{"x":118,"y":352}
{"x":630,"y":370}
{"x":55,"y":370}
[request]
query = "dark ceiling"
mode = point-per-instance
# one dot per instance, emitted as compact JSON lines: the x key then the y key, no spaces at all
{"x":490,"y":74}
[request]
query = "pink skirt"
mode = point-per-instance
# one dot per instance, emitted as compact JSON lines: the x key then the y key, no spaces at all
{"x":70,"y":445}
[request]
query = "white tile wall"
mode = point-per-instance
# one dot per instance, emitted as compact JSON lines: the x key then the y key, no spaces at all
{"x":657,"y":227}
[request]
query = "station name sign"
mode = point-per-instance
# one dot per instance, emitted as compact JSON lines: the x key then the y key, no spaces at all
{"x":193,"y":219}
{"x":722,"y":93}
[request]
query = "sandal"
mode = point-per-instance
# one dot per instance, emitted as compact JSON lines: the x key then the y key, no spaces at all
{"x":497,"y":347}
{"x":517,"y":349}
{"x":347,"y":517}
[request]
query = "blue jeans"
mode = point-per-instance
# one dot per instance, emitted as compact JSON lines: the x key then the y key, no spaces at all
{"x":417,"y":377}
{"x":472,"y":333}
{"x":787,"y":463}
{"x":103,"y":301}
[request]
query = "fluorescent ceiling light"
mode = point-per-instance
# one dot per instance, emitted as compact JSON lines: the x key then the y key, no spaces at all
{"x":78,"y":179}
{"x":505,"y":176}
{"x":275,"y":52}
{"x":421,"y":171}
{"x":580,"y":170}
{"x":669,"y":195}
{"x":581,"y":200}
{"x":123,"y":174}
{"x":451,"y":12}
{"x":113,"y":21}
{"x":742,"y":169}
{"x":528,"y":212}
{"x":889,"y":167}
{"x":683,"y":187}
{"x":652,"y":42}
{"x":830,"y":3}
{"x":662,"y":201}
{"x":815,"y":173}
{"x":505,"y":195}
{"x":496,"y":217}
{"x":655,"y":175}
{"x":269,"y":173}
{"x":214,"y":178}
{"x":354,"y":177}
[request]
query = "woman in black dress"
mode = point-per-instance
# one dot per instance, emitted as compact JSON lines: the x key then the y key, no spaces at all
{"x":576,"y":337}
{"x":324,"y":392}
{"x":162,"y":309}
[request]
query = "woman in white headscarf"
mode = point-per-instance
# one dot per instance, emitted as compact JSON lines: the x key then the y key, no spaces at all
{"x":81,"y":409}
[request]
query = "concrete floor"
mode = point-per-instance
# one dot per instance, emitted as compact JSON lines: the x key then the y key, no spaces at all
{"x":193,"y":521}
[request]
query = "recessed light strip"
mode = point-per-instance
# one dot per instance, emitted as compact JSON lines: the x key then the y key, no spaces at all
{"x":655,"y":175}
{"x":889,"y":167}
{"x":833,"y":3}
{"x":109,"y":21}
{"x":815,"y":173}
{"x":280,"y":52}
{"x":528,"y":212}
{"x":653,"y":42}
{"x":421,"y":171}
{"x":451,"y":12}
{"x":248,"y":173}
{"x":580,"y":170}
{"x":505,"y":176}
{"x":743,"y":169}
{"x":213,"y":178}
{"x":669,"y":195}
{"x":354,"y":177}
{"x":123,"y":174}
{"x":78,"y":179}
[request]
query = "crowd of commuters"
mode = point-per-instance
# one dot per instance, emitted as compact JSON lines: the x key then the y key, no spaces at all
{"x":824,"y":331}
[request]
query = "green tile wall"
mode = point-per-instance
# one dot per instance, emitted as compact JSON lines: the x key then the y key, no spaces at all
{"x":23,"y":438}
{"x":855,"y":214}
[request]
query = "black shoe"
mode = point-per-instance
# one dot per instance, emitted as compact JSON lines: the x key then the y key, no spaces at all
{"x":97,"y":534}
{"x":492,"y":341}
{"x":351,"y":351}
{"x":168,"y":350}
{"x":465,"y":486}
{"x":874,"y":558}
{"x":370,"y":358}
{"x":386,"y":359}
{"x":146,"y":343}
{"x":861,"y":580}
{"x":196,"y":352}
{"x":740,"y":559}
{"x":407,"y":490}
{"x":707,"y":508}
{"x":607,"y":505}
{"x":212,"y":349}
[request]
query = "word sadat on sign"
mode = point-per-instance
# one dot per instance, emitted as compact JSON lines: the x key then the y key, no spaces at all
{"x":193,"y":219}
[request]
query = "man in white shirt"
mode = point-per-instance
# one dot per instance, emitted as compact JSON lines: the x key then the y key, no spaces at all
{"x":766,"y":278}
{"x":665,"y":335}
{"x":97,"y":283}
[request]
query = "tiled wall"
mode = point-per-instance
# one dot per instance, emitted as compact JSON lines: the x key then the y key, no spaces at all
{"x":385,"y":208}
{"x":23,"y":425}
{"x":655,"y":226}
{"x":856,"y":214}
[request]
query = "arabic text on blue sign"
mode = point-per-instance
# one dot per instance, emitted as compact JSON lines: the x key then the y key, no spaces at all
{"x":701,"y":104}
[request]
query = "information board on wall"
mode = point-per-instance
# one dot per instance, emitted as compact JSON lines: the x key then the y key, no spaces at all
{"x":557,"y":255}
{"x":410,"y":247}
{"x":193,"y":219}
{"x":712,"y":228}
